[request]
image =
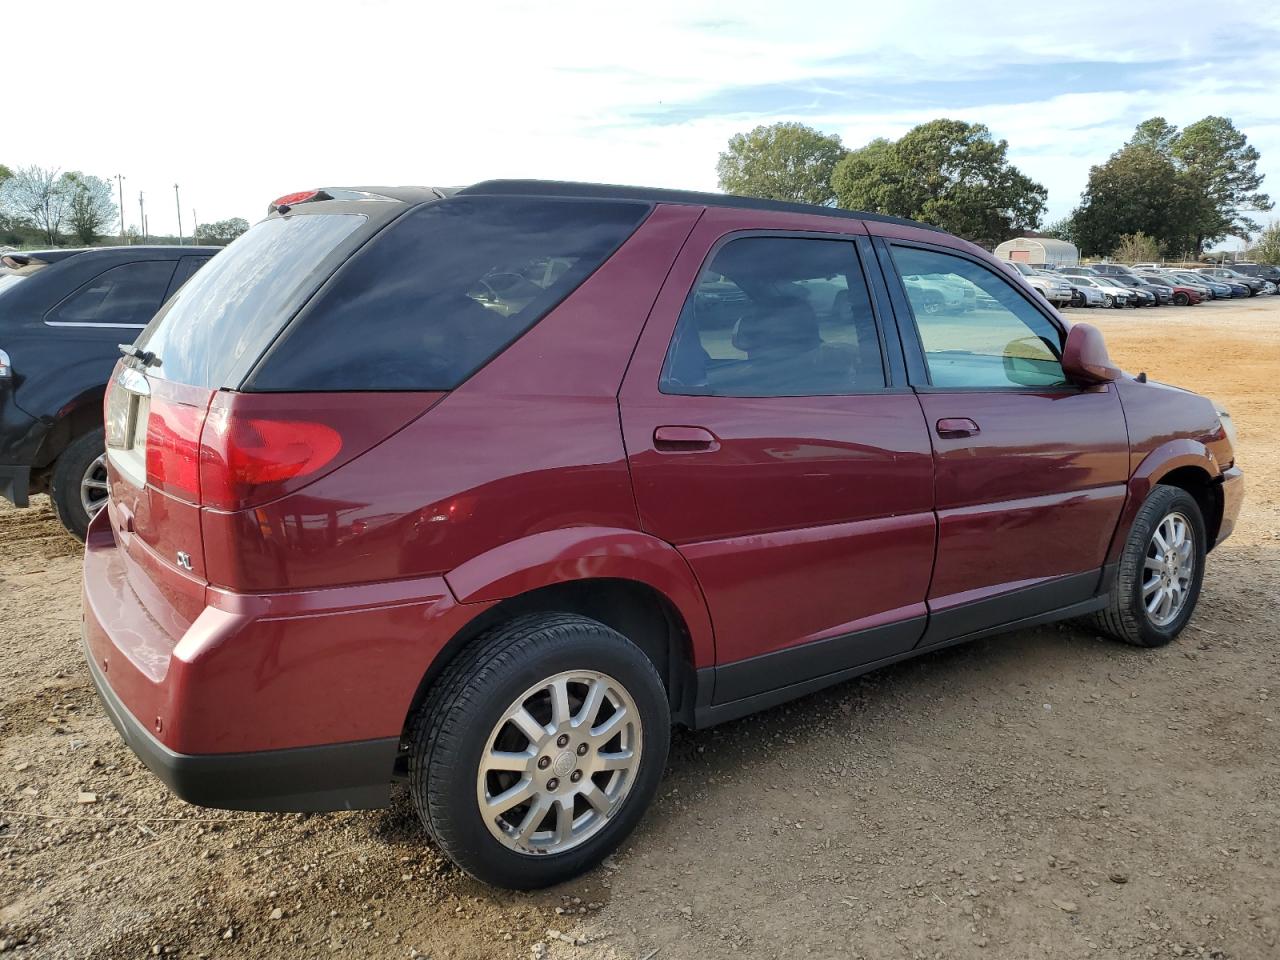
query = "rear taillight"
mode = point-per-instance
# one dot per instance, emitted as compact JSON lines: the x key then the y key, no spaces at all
{"x":246,"y":460}
{"x":173,"y":448}
{"x":6,"y":366}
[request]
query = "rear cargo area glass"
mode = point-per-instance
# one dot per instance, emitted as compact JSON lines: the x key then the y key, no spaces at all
{"x":236,"y":305}
{"x":439,"y":292}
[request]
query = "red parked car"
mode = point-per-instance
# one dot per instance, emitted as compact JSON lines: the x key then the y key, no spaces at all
{"x":1185,"y":296}
{"x":485,"y":489}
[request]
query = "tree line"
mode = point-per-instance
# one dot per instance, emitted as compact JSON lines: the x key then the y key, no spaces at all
{"x":1172,"y":192}
{"x":43,"y":205}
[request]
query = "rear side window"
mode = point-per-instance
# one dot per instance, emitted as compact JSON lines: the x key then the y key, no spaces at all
{"x":124,"y":296}
{"x":442,"y":290}
{"x":236,"y":305}
{"x":777,"y":317}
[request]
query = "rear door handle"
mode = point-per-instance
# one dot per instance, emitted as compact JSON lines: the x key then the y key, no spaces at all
{"x":673,"y":439}
{"x":953,"y":428}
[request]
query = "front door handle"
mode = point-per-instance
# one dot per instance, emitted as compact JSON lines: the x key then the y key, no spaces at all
{"x":953,"y":428}
{"x":673,"y":439}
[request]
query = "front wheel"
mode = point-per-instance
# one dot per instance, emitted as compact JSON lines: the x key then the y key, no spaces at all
{"x":1108,"y":300}
{"x":538,"y":749}
{"x":1181,"y":299}
{"x":1161,"y":571}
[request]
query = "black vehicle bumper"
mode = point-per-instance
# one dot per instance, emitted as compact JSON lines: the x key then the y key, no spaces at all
{"x":340,"y":776}
{"x":15,"y":483}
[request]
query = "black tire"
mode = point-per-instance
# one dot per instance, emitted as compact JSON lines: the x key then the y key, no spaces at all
{"x":68,"y":472}
{"x":452,"y":728}
{"x":1181,"y":299}
{"x":1126,"y":617}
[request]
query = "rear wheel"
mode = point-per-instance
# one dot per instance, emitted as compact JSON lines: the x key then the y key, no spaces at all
{"x":78,"y":486}
{"x":538,"y":749}
{"x":1161,"y":571}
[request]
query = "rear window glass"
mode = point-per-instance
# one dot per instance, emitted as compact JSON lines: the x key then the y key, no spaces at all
{"x":444,"y":289}
{"x":237,"y":304}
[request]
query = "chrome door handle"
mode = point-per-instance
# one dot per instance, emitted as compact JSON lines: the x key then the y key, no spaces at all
{"x":954,"y":428}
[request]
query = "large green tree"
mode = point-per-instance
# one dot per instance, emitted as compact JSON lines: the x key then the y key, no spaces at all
{"x":785,"y":161}
{"x":1187,"y":188}
{"x":91,"y":208}
{"x":1218,"y":159}
{"x":949,"y":173}
{"x":1138,"y":190}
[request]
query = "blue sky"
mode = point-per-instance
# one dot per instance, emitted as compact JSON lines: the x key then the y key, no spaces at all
{"x":266,"y":98}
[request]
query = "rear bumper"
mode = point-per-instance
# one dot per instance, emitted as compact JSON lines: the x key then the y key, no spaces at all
{"x":340,"y":776}
{"x":294,"y":700}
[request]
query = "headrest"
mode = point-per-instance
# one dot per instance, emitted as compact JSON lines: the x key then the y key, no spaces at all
{"x":788,"y":327}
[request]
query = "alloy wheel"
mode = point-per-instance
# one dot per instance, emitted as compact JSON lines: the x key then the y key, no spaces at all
{"x":1168,"y":570}
{"x":93,"y":486}
{"x":559,"y":763}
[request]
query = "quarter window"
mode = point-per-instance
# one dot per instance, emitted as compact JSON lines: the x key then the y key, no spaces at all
{"x":977,"y":330}
{"x":773,"y":317}
{"x":127,"y":295}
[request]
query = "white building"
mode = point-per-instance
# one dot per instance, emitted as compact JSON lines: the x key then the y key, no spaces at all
{"x":1039,"y":252}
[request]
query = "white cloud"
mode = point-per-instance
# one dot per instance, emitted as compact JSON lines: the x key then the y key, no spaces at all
{"x":240,"y":102}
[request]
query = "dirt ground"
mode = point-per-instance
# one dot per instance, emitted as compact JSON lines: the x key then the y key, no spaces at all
{"x":1043,"y":794}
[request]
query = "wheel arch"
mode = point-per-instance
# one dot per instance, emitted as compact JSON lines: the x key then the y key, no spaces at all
{"x":1206,"y":492}
{"x":632,"y":582}
{"x":1183,"y":463}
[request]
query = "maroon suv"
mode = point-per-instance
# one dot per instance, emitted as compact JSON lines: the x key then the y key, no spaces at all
{"x":484,"y":489}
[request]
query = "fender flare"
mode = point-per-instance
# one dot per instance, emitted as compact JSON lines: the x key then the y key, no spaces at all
{"x":589,"y":553}
{"x":1159,"y":463}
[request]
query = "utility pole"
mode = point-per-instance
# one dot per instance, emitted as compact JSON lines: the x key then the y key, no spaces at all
{"x":142,"y":217}
{"x":120,"y":188}
{"x":195,"y":225}
{"x":178,"y":202}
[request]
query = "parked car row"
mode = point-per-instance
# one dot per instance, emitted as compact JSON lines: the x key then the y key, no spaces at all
{"x":1146,"y":285}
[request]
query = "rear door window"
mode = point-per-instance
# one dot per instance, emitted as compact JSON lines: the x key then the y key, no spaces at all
{"x":127,"y":295}
{"x":442,"y":290}
{"x":777,"y":317}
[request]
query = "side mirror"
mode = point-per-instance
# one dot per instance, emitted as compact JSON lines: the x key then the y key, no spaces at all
{"x":1085,"y":359}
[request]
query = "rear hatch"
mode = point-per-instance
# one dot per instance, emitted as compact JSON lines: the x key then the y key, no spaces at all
{"x":173,"y":446}
{"x":321,"y":332}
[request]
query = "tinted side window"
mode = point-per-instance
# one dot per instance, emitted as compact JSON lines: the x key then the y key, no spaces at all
{"x":976,"y":328}
{"x":777,"y":317}
{"x":443,"y":289}
{"x":128,"y":294}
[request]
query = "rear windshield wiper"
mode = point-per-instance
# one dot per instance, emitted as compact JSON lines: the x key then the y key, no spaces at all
{"x":145,"y":356}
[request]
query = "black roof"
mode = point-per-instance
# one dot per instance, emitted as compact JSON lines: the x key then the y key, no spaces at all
{"x":559,"y":188}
